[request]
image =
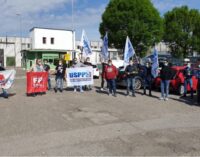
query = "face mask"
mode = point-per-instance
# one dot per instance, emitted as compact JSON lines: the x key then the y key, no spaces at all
{"x":60,"y":63}
{"x":75,"y":62}
{"x":131,"y":63}
{"x":199,"y":66}
{"x":165,"y":64}
{"x":188,"y":65}
{"x":110,"y":64}
{"x":147,"y":65}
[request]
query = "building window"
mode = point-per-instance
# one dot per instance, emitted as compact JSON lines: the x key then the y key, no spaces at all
{"x":52,"y":40}
{"x":44,"y":40}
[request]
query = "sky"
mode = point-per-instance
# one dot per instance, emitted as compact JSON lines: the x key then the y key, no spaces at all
{"x":19,"y":16}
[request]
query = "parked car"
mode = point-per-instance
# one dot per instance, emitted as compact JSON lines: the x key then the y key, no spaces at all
{"x":177,"y":83}
{"x":95,"y":71}
{"x":121,"y":78}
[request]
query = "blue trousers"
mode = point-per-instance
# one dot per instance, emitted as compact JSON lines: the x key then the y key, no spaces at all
{"x":190,"y":82}
{"x":130,"y":85}
{"x":4,"y":93}
{"x":165,"y":88}
{"x":112,"y":86}
{"x":59,"y":83}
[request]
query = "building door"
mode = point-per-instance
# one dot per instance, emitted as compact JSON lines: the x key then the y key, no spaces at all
{"x":2,"y":57}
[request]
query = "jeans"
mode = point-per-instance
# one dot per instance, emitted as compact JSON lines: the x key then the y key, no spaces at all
{"x":130,"y":85}
{"x":186,"y":82}
{"x":112,"y":86}
{"x":165,"y":88}
{"x":147,"y":83}
{"x":59,"y":83}
{"x":49,"y":82}
{"x":102,"y":82}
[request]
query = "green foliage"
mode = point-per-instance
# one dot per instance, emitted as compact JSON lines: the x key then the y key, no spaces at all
{"x":182,"y":31}
{"x":137,"y":19}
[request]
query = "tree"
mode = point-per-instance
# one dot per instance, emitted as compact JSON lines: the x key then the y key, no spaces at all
{"x":182,"y":31}
{"x":137,"y":19}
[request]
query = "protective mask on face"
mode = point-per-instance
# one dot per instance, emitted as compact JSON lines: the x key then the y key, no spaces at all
{"x":60,"y":63}
{"x":188,"y":65}
{"x":199,"y":66}
{"x":110,"y":64}
{"x":165,"y":64}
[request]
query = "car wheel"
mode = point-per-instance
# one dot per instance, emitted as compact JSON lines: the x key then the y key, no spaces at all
{"x":181,"y":90}
{"x":138,"y":84}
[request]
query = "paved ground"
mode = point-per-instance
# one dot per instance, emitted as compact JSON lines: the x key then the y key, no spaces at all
{"x":93,"y":123}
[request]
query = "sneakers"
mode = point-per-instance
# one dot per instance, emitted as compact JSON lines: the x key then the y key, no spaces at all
{"x":161,"y":98}
{"x":55,"y":90}
{"x":75,"y":90}
{"x":166,"y":99}
{"x":133,"y":95}
{"x":102,"y":89}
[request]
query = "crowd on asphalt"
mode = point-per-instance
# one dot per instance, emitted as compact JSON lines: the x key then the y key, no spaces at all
{"x":110,"y":73}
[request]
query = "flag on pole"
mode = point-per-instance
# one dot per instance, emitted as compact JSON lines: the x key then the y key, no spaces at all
{"x":129,"y":51}
{"x":104,"y":51}
{"x":85,"y":44}
{"x":155,"y":64}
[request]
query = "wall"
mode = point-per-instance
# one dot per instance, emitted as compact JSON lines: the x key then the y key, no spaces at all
{"x":63,"y":39}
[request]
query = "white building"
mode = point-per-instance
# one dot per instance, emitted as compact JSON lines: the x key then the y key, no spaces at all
{"x":10,"y":50}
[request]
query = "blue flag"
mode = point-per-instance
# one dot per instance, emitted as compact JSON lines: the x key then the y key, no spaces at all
{"x":104,"y":51}
{"x":155,"y":64}
{"x":129,"y":50}
{"x":85,"y":44}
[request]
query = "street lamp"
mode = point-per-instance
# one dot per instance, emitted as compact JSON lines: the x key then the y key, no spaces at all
{"x":20,"y":29}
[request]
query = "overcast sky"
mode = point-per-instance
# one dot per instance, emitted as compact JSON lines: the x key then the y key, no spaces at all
{"x":57,"y":14}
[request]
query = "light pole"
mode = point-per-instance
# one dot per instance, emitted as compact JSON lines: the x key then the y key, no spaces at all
{"x":20,"y":29}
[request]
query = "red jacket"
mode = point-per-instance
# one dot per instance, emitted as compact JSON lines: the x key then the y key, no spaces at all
{"x":110,"y":72}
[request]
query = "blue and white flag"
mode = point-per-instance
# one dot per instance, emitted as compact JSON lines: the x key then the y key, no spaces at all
{"x":104,"y":51}
{"x":155,"y":64}
{"x":85,"y":44}
{"x":7,"y":78}
{"x":129,"y":51}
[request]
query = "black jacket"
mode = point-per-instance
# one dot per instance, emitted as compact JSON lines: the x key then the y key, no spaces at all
{"x":132,"y":70}
{"x":2,"y":68}
{"x":166,"y":73}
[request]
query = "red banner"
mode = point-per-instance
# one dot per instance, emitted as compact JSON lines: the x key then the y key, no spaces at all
{"x":36,"y":82}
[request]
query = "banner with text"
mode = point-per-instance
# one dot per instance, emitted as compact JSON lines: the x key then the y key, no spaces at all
{"x":36,"y":82}
{"x":80,"y":76}
{"x":7,"y":78}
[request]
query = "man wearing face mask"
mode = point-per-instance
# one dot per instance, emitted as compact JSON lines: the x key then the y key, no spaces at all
{"x":88,"y":63}
{"x":147,"y":78}
{"x":131,"y":71}
{"x":38,"y":67}
{"x":188,"y":74}
{"x":60,"y":76}
{"x":165,"y":75}
{"x":110,"y":74}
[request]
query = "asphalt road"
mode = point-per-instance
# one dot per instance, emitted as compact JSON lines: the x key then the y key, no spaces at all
{"x":93,"y":123}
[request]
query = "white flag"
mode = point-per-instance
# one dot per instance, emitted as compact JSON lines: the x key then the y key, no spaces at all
{"x":85,"y":44}
{"x":7,"y":78}
{"x":104,"y":51}
{"x":155,"y":64}
{"x":129,"y":50}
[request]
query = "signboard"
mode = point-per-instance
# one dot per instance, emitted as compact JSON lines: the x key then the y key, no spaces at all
{"x":79,"y":76}
{"x":36,"y":82}
{"x":7,"y":78}
{"x":67,"y":57}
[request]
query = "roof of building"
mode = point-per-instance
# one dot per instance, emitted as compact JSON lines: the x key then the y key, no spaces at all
{"x":47,"y":50}
{"x":52,"y":29}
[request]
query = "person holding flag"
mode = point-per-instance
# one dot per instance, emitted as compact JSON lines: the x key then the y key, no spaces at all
{"x":4,"y":92}
{"x":132,"y":69}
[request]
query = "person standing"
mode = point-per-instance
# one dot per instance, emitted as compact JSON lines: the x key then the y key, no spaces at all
{"x":165,"y":76}
{"x":88,"y":63}
{"x":110,"y":75}
{"x":47,"y":69}
{"x":60,"y":76}
{"x":198,"y":85}
{"x":38,"y":67}
{"x":188,"y":74}
{"x":77,"y":64}
{"x":131,"y":72}
{"x":147,"y":78}
{"x":103,"y":80}
{"x":4,"y":92}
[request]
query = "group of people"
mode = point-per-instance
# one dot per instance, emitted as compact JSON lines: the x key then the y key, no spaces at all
{"x":110,"y":73}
